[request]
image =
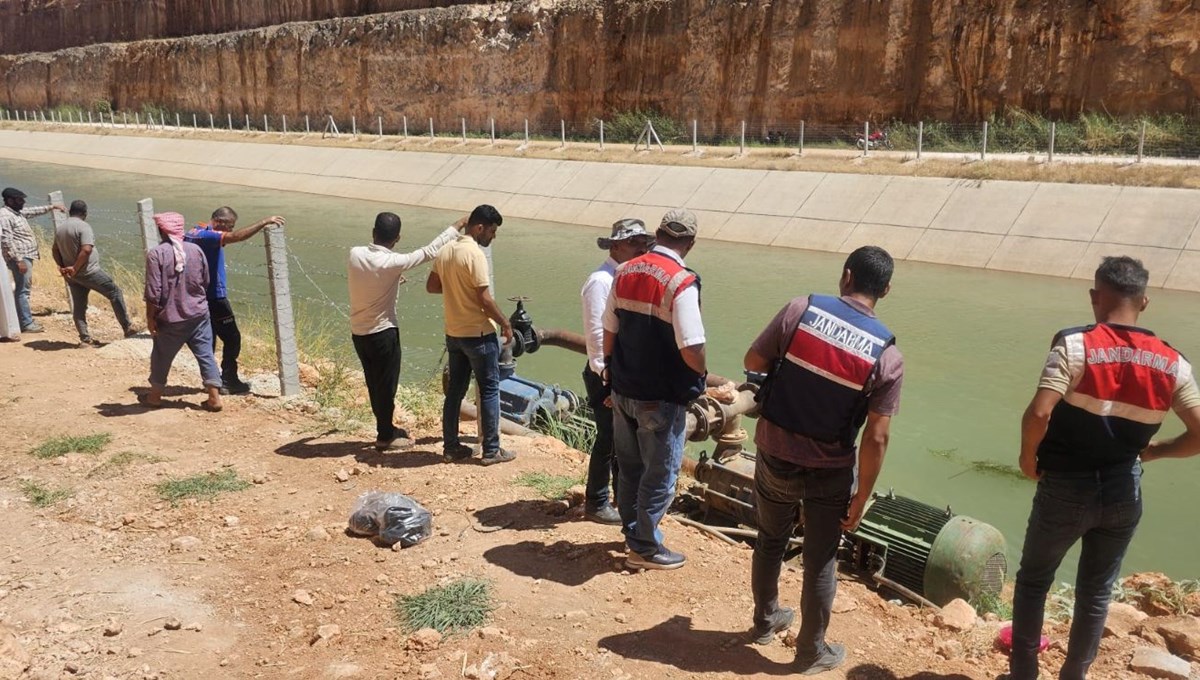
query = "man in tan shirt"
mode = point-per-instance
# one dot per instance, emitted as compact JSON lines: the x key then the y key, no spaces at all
{"x":462,"y":277}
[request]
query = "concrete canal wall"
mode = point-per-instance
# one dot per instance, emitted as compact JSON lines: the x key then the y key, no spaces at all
{"x":1040,"y":228}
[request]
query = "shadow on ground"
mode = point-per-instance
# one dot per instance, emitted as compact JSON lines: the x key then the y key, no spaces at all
{"x":675,"y":642}
{"x":51,"y":345}
{"x":362,"y":452}
{"x":523,"y":515}
{"x":571,"y":564}
{"x":873,"y":672}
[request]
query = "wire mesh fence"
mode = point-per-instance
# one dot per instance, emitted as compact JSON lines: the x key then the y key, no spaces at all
{"x":1016,"y":132}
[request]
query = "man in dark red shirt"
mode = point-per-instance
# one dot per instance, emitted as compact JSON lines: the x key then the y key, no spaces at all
{"x":1104,"y":392}
{"x":832,"y":366}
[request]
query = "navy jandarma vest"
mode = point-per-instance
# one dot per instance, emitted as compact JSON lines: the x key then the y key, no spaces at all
{"x":818,"y":388}
{"x":646,"y":363}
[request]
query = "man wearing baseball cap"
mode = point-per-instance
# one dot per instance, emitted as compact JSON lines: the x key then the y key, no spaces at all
{"x":628,"y":240}
{"x":654,"y":358}
{"x":20,"y":249}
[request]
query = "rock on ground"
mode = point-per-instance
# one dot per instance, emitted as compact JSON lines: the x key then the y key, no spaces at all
{"x":13,"y":657}
{"x":1123,"y":619}
{"x":1182,"y":635}
{"x":1159,"y":664}
{"x":957,"y":615}
{"x":424,"y":640}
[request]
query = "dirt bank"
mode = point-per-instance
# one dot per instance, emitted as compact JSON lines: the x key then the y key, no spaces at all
{"x":89,"y":582}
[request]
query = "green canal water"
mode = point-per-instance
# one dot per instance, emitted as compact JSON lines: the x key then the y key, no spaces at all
{"x":973,"y":340}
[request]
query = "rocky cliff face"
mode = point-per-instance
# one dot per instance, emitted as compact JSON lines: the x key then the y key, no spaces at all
{"x":47,"y":25}
{"x":768,"y":62}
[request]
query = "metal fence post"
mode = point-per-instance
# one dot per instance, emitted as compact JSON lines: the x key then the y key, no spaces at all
{"x":307,"y":129}
{"x":194,"y":125}
{"x":281,"y":307}
{"x":695,"y":141}
{"x":285,"y":123}
{"x":124,"y":119}
{"x":563,"y":123}
{"x":137,"y":120}
{"x":493,"y":124}
{"x":526,"y":132}
{"x":380,"y":121}
{"x":176,"y":121}
{"x":920,"y":137}
{"x":211,"y":122}
{"x":800,"y":149}
{"x":432,"y":137}
{"x":1050,"y":157}
{"x":247,"y":122}
{"x":229,"y":120}
{"x":743,"y":142}
{"x":866,"y":137}
{"x":406,"y":127}
{"x":602,"y":134}
{"x":1141,"y":142}
{"x":983,"y":146}
{"x":464,"y":130}
{"x":266,"y":124}
{"x":353,"y":127}
{"x":150,"y":237}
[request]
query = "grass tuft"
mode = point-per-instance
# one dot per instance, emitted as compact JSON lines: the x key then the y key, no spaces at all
{"x":61,"y":446}
{"x":118,"y":463}
{"x":455,"y":607}
{"x":201,"y":486}
{"x":577,"y":431}
{"x":985,"y":603}
{"x":43,"y":496}
{"x":551,"y":487}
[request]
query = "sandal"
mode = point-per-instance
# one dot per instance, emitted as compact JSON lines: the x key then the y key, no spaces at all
{"x":144,"y":400}
{"x":211,"y":408}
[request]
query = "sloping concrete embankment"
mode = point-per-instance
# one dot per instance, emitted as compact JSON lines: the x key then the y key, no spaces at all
{"x":1040,"y":228}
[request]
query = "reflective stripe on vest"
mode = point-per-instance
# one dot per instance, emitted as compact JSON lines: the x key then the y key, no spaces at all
{"x":649,"y":285}
{"x":818,"y":389}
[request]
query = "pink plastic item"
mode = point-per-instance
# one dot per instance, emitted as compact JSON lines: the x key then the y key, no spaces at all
{"x":1004,"y":639}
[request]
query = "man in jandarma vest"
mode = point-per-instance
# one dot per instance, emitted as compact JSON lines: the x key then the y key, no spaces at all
{"x":832,"y":366}
{"x":655,"y":364}
{"x":1104,"y":392}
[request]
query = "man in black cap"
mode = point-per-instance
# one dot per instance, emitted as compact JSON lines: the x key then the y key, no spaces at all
{"x":20,"y":249}
{"x":628,"y":240}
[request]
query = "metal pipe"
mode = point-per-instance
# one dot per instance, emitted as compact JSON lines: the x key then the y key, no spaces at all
{"x":468,"y":411}
{"x":711,"y":531}
{"x":885,"y":581}
{"x":558,"y":337}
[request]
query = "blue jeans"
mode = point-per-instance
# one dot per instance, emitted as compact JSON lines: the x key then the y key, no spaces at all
{"x":1102,"y":508}
{"x":602,"y":464}
{"x":197,"y":335}
{"x":779,"y":489}
{"x":21,"y":284}
{"x":648,"y":439}
{"x":481,"y":356}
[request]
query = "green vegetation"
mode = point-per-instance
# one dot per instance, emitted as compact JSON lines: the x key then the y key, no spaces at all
{"x":43,"y":496}
{"x":60,"y":446}
{"x":422,"y":401}
{"x":118,"y":463}
{"x":206,"y":485}
{"x":627,"y":126}
{"x":551,"y":487}
{"x":986,"y":603}
{"x":986,"y":467}
{"x":455,"y":607}
{"x":576,"y":431}
{"x":1171,"y":596}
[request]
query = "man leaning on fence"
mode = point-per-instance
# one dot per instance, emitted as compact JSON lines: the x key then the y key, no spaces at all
{"x":212,"y":239}
{"x":1104,"y":391}
{"x":79,"y":263}
{"x":20,"y":249}
{"x":374,"y":274}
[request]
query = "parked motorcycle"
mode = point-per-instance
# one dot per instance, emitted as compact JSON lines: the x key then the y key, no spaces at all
{"x":877,"y":140}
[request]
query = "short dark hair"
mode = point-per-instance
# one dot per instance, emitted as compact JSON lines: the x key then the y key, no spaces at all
{"x":225,"y":212}
{"x":1124,"y":275}
{"x":485,"y":215}
{"x":77,"y":208}
{"x":871,"y":267}
{"x":387,"y":227}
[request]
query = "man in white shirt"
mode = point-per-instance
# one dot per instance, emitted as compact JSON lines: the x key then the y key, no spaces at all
{"x":629,"y":240}
{"x":374,"y":273}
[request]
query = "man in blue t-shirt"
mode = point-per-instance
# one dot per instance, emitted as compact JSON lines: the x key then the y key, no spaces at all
{"x":212,"y":239}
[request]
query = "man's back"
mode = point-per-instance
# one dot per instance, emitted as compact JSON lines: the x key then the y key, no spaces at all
{"x":463,"y":269}
{"x":209,"y":241}
{"x":70,"y":237}
{"x":180,"y":296}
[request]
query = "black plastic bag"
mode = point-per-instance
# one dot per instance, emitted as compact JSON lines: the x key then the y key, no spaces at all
{"x":393,"y":517}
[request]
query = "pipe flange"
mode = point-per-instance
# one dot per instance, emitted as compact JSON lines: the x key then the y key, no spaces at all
{"x":733,"y":437}
{"x":701,"y":416}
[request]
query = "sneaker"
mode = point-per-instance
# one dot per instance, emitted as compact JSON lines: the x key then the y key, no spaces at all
{"x":780,"y":621}
{"x":501,"y":456}
{"x":606,"y":514}
{"x":663,"y":559}
{"x":234,"y":386}
{"x":399,"y":434}
{"x":132,"y":331}
{"x":34,"y":327}
{"x":456,"y":453}
{"x":90,"y":342}
{"x":830,"y":658}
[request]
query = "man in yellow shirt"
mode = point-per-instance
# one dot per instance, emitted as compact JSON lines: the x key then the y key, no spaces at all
{"x":462,"y":277}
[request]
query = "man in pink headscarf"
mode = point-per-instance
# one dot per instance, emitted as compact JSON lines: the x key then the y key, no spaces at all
{"x":177,"y":310}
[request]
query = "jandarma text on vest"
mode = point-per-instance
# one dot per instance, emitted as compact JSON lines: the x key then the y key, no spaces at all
{"x":1128,"y":355}
{"x":849,"y":337}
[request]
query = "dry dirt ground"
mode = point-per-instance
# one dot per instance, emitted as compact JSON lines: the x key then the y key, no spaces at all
{"x":89,"y":583}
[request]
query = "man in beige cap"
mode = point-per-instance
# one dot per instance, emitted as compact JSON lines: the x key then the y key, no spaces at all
{"x":655,"y":364}
{"x":628,"y":240}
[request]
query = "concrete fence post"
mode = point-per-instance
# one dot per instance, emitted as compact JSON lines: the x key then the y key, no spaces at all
{"x":800,"y":147}
{"x":56,"y":198}
{"x":866,"y":137}
{"x":150,"y":237}
{"x":464,"y":130}
{"x":920,"y":137}
{"x":380,"y":121}
{"x":1141,"y":142}
{"x":602,"y":134}
{"x":695,"y":136}
{"x":1050,"y":155}
{"x":281,"y":307}
{"x":983,"y":145}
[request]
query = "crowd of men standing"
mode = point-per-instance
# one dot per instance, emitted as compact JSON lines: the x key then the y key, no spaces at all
{"x":829,"y":375}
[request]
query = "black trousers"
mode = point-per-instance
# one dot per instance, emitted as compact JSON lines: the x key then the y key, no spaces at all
{"x":380,"y":357}
{"x":602,"y":464}
{"x":225,"y":329}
